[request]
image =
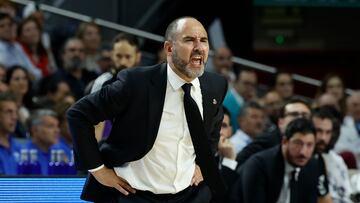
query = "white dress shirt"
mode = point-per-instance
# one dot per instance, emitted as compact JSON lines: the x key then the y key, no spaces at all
{"x":284,"y":196}
{"x":169,"y":166}
{"x":240,"y":140}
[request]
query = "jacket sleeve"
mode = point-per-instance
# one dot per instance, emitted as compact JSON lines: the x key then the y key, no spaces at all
{"x":90,"y":110}
{"x":251,"y":184}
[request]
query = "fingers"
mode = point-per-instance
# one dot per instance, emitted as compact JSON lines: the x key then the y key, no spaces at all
{"x":197,"y":177}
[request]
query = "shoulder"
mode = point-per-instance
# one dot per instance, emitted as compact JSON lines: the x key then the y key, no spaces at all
{"x":143,"y":71}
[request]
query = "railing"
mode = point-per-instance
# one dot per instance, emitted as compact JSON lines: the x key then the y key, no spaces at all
{"x":158,"y":38}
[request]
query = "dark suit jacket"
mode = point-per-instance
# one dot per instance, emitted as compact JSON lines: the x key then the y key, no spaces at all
{"x":135,"y":103}
{"x":261,"y":178}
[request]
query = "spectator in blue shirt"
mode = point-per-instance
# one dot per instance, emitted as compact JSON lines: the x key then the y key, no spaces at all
{"x":9,"y":148}
{"x":44,"y":132}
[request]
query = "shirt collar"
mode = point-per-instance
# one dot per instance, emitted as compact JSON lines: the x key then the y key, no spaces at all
{"x":176,"y":81}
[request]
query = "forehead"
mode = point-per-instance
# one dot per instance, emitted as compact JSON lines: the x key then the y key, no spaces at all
{"x":190,"y":27}
{"x":297,"y":107}
{"x":124,"y":46}
{"x":74,"y":44}
{"x":283,"y":77}
{"x":7,"y":105}
{"x":304,"y":137}
{"x":322,"y":122}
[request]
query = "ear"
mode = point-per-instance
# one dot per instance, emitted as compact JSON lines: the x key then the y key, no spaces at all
{"x":168,"y":47}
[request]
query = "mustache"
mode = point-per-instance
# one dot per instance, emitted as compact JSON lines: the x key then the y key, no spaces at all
{"x":321,"y":142}
{"x":197,"y":52}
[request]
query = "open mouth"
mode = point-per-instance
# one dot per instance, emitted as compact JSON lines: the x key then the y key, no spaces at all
{"x":196,"y":60}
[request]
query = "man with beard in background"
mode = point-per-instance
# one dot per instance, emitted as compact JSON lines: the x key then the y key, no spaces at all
{"x":125,"y":54}
{"x":73,"y":71}
{"x":327,"y":132}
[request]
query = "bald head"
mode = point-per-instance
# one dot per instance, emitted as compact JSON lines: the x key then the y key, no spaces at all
{"x":176,"y":25}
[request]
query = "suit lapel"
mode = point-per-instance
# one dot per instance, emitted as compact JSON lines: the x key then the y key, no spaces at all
{"x":157,"y":90}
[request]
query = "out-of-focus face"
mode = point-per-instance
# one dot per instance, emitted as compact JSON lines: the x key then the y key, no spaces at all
{"x":272,"y":103}
{"x":3,"y":86}
{"x":353,"y":105}
{"x":246,"y":84}
{"x":124,"y":55}
{"x":63,"y":89}
{"x":19,"y":82}
{"x":187,"y":54}
{"x":30,"y":33}
{"x":253,"y":122}
{"x":6,"y":29}
{"x":284,"y":85}
{"x":8,"y":116}
{"x":328,"y":99}
{"x":226,"y":130}
{"x":91,"y":38}
{"x":324,"y":130}
{"x":298,"y":149}
{"x":222,"y":61}
{"x":74,"y":55}
{"x":293,"y":111}
{"x":47,"y":133}
{"x":335,"y":87}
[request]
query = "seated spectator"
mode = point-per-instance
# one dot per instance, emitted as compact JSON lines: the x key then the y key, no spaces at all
{"x":223,"y":64}
{"x":9,"y":148}
{"x":29,"y":37}
{"x":333,"y":84}
{"x":252,"y":122}
{"x":74,"y":71}
{"x":271,"y":103}
{"x":284,"y":173}
{"x":284,"y":85}
{"x":89,"y":34}
{"x":19,"y":85}
{"x":55,"y":91}
{"x":44,"y":132}
{"x":11,"y":52}
{"x":65,"y":140}
{"x":327,"y":132}
{"x":349,"y":139}
{"x":244,"y":90}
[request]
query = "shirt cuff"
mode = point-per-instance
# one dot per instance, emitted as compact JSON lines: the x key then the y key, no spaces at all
{"x":229,"y":163}
{"x":96,"y":169}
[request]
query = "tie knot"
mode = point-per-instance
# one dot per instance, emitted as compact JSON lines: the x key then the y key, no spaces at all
{"x":186,"y":87}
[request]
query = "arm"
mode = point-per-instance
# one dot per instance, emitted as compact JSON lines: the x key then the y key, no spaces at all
{"x":250,"y":187}
{"x":89,"y":111}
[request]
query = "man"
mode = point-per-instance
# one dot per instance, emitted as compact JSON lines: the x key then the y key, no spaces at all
{"x":284,"y":173}
{"x":284,"y":85}
{"x":125,"y":54}
{"x":294,"y":108}
{"x":272,"y":103}
{"x":9,"y":148}
{"x":74,"y":71}
{"x":44,"y":132}
{"x":151,"y":154}
{"x":244,"y":90}
{"x":327,"y":132}
{"x":252,"y":122}
{"x":223,"y":64}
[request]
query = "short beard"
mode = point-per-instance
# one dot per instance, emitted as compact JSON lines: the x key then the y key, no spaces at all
{"x":73,"y":64}
{"x":182,"y":67}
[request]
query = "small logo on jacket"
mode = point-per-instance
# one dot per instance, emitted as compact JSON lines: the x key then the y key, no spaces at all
{"x":214,"y":101}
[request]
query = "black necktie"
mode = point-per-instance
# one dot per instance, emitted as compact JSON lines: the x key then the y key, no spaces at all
{"x":294,"y":187}
{"x":204,"y":157}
